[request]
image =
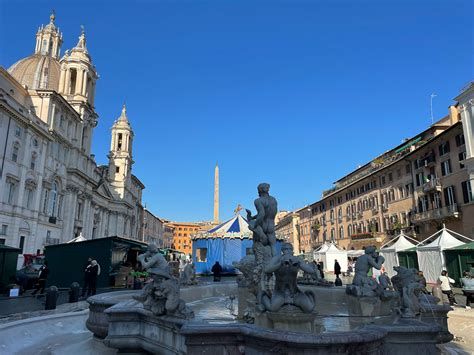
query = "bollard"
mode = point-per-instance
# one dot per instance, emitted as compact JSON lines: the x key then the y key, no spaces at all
{"x":436,"y":291}
{"x":74,"y":292}
{"x":51,"y":297}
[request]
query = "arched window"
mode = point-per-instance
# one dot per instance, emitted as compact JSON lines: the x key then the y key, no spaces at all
{"x":15,"y":152}
{"x":349,"y":230}
{"x":333,"y":234}
{"x":341,"y":232}
{"x":53,"y":199}
{"x":33,"y":161}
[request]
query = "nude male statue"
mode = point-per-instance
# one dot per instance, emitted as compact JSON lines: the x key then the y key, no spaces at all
{"x":370,"y":259}
{"x":263,"y":223}
{"x":152,"y":261}
{"x":285,"y":267}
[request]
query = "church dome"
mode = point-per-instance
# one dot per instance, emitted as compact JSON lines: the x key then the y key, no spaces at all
{"x":37,"y":72}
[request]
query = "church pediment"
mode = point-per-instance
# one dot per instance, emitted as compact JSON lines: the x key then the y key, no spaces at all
{"x":103,"y":190}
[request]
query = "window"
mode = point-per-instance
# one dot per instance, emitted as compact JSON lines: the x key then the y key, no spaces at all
{"x":15,"y":152}
{"x":79,"y":210}
{"x":390,"y":177}
{"x":33,"y":161}
{"x":29,"y":198}
{"x":22,"y":243}
{"x":341,"y":232}
{"x":117,"y":169}
{"x":449,"y":196}
{"x":407,"y":169}
{"x":3,"y":230}
{"x":53,"y":199}
{"x":201,"y":254}
{"x":446,"y":167}
{"x":10,"y":192}
{"x":462,"y":157}
{"x":467,"y":194}
{"x":444,"y":148}
{"x":382,"y":180}
{"x":420,"y":178}
{"x":18,"y":131}
{"x":35,"y":142}
{"x":119,"y":142}
{"x":460,"y":140}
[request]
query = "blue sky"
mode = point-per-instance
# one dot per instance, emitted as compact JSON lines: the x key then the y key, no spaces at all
{"x":294,"y":93}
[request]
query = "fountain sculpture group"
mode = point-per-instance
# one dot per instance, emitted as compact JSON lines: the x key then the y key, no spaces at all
{"x":274,"y":313}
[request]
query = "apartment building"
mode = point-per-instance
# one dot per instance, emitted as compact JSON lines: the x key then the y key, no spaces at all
{"x":416,"y":187}
{"x":182,"y":232}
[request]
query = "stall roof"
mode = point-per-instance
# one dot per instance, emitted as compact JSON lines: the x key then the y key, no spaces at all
{"x":445,"y":239}
{"x":399,"y":243}
{"x":236,"y":227}
{"x":467,"y":246}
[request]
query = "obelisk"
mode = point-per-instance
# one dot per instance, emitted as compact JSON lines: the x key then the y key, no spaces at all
{"x":216,"y":194}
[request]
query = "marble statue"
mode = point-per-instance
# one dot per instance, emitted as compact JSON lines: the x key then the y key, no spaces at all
{"x":188,"y":276}
{"x":285,"y":267}
{"x":407,"y":284}
{"x":161,"y":295}
{"x":263,"y":223}
{"x":362,"y":284}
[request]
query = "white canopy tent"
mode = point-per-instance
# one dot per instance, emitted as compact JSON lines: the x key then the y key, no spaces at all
{"x":80,"y":238}
{"x":389,"y":251}
{"x":328,"y":253}
{"x":430,"y":252}
{"x":355,"y":253}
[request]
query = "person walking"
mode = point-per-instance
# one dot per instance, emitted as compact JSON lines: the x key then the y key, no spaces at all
{"x":216,"y":270}
{"x":94,"y":273}
{"x":422,"y":279}
{"x":87,"y":273}
{"x":43,"y":275}
{"x":444,"y":281}
{"x":337,"y":268}
{"x":468,"y":288}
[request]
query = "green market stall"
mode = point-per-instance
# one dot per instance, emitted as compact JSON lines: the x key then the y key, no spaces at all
{"x":459,"y":259}
{"x":8,"y":261}
{"x":408,"y":258}
{"x":67,"y":261}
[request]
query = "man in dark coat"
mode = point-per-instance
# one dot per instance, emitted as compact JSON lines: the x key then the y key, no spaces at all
{"x":87,"y":273}
{"x":216,"y":270}
{"x":337,"y":268}
{"x":43,"y":275}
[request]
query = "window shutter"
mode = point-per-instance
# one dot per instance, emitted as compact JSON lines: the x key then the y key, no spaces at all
{"x":465,"y":194}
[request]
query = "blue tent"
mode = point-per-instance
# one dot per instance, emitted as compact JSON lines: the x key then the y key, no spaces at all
{"x":226,"y":243}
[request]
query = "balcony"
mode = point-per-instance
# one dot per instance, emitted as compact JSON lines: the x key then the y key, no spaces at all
{"x":384,"y":208}
{"x":375,"y":210}
{"x":436,"y":214}
{"x":360,"y":214}
{"x":359,"y":236}
{"x":354,"y":216}
{"x":433,"y":185}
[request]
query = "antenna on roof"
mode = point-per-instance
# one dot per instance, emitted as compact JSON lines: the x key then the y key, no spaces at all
{"x":431,"y":107}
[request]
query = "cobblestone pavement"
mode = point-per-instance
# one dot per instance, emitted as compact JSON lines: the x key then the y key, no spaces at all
{"x":461,"y":325}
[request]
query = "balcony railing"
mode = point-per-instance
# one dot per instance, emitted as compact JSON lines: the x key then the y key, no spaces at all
{"x":359,"y":236}
{"x":435,"y":214}
{"x":433,"y":185}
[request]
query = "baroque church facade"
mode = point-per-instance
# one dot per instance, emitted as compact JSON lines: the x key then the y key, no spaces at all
{"x":51,"y":189}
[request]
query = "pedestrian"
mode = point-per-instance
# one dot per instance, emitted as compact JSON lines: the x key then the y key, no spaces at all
{"x":444,"y":281}
{"x":422,"y":280}
{"x":337,"y":268}
{"x":321,"y":269}
{"x":87,"y":273}
{"x":43,"y":275}
{"x":216,"y":270}
{"x":94,"y":273}
{"x":350,"y":268}
{"x":468,"y":288}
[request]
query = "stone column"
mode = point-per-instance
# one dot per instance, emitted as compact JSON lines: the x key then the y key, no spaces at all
{"x":53,"y":114}
{"x":84,"y":83}
{"x":67,"y":84}
{"x":70,"y":205}
{"x":79,"y":77}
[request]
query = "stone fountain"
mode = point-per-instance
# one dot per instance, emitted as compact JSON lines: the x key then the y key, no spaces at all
{"x":275,"y":313}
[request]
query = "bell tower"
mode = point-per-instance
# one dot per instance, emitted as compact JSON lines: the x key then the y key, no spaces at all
{"x":77,"y":85}
{"x":49,"y":39}
{"x":120,"y":156}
